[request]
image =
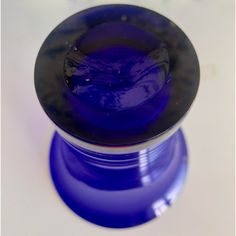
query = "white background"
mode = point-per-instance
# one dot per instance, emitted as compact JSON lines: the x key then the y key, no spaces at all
{"x":30,"y":205}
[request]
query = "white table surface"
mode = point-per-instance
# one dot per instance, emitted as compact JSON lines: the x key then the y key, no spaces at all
{"x":31,"y":206}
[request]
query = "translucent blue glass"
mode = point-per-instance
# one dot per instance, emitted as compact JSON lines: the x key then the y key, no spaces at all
{"x":119,"y":190}
{"x":117,"y":80}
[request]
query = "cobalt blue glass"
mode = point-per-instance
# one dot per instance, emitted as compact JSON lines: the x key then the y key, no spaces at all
{"x":117,"y":80}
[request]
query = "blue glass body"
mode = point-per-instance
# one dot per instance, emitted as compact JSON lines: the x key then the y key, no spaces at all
{"x":119,"y":190}
{"x":117,"y":76}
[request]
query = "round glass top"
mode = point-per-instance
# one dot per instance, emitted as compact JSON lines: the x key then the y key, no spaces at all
{"x":116,"y":75}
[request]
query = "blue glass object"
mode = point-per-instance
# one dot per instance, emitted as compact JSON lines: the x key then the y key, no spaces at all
{"x":117,"y":80}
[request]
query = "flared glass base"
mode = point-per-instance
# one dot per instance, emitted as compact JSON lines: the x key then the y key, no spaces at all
{"x":119,"y":191}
